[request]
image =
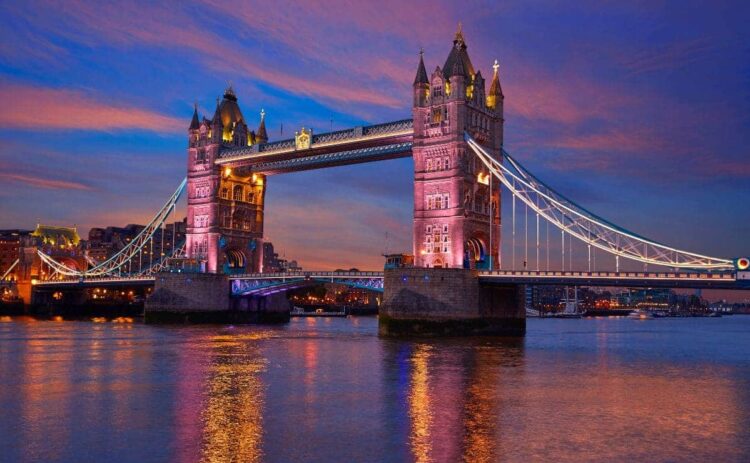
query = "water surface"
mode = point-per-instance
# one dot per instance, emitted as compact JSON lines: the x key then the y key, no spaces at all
{"x":330,"y":390}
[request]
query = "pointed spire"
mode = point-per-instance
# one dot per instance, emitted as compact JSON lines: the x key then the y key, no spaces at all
{"x":459,"y":38}
{"x":262,"y":135}
{"x":217,"y":113}
{"x":194,"y":124}
{"x":496,"y":92}
{"x":421,"y":77}
{"x":458,"y":61}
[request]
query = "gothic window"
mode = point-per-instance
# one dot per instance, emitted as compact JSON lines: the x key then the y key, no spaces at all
{"x":224,"y":193}
{"x":437,"y":90}
{"x":446,"y":163}
{"x":429,"y":165}
{"x":439,"y":202}
{"x":237,"y":193}
{"x":445,"y":201}
{"x":437,"y":115}
{"x":428,"y":229}
{"x":445,"y":228}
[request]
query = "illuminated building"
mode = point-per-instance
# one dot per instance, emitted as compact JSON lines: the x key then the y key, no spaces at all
{"x":225,"y":206}
{"x":10,"y":246}
{"x":452,"y":197}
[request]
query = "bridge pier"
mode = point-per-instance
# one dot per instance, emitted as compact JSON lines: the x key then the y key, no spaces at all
{"x":449,"y":302}
{"x":206,"y":298}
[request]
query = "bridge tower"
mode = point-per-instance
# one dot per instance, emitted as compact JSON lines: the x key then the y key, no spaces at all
{"x":225,"y":206}
{"x":453,"y":203}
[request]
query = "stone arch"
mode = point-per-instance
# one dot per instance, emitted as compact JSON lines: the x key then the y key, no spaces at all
{"x":475,"y":252}
{"x":236,"y":259}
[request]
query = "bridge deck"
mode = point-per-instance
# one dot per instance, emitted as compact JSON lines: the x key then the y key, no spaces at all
{"x":692,"y":280}
{"x":352,"y":146}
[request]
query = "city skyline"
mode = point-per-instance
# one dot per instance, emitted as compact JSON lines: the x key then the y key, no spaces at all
{"x":592,"y":95}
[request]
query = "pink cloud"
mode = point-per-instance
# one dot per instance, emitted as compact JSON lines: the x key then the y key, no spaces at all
{"x":31,"y":107}
{"x":670,"y":56}
{"x":41,"y":182}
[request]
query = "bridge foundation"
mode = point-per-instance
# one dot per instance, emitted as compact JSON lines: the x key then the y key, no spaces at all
{"x":449,"y":302}
{"x":206,"y":298}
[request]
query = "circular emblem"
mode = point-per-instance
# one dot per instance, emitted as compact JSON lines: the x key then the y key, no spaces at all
{"x":743,"y":263}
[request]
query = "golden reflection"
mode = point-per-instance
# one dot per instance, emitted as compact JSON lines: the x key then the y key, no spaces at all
{"x":481,"y":408}
{"x":420,"y":405}
{"x":233,"y":417}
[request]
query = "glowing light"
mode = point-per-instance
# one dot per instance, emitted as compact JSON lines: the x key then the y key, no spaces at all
{"x":743,"y":263}
{"x":227,"y":172}
{"x":34,"y":281}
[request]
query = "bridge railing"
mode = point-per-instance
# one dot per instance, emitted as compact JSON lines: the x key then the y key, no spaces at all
{"x":307,"y":274}
{"x":727,"y":276}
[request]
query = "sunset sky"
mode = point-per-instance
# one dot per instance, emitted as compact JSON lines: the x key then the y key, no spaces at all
{"x":637,"y":110}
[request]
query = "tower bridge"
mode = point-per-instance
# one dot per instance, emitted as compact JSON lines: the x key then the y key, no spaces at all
{"x":455,"y":138}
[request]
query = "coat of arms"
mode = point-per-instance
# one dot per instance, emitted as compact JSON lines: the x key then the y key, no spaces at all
{"x":303,"y":138}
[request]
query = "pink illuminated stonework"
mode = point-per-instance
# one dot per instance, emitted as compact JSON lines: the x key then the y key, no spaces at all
{"x":225,"y":205}
{"x":452,"y":198}
{"x":456,"y":205}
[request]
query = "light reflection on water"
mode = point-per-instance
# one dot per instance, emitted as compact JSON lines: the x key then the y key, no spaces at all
{"x":331,"y":390}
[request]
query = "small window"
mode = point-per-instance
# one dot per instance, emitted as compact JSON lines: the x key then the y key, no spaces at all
{"x":429,"y":229}
{"x":445,"y":228}
{"x":429,"y":165}
{"x":446,"y":163}
{"x":224,"y":193}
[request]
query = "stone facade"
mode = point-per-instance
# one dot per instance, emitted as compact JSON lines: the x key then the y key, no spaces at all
{"x":452,"y":198}
{"x":225,"y":206}
{"x":420,"y":301}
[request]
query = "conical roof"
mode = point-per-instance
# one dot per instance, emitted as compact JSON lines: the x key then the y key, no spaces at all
{"x":262,"y":135}
{"x":421,"y":77}
{"x":229,"y":110}
{"x":458,"y":62}
{"x":194,"y":124}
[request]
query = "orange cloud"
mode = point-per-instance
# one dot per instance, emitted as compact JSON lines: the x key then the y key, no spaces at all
{"x":31,"y":107}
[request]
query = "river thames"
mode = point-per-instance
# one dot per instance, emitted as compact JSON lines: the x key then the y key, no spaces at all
{"x":331,"y":390}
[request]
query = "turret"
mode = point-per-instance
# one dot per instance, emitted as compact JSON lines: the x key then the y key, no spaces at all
{"x":262,"y":136}
{"x":193,"y":129}
{"x":458,"y":70}
{"x":495,"y":96}
{"x":421,"y":83}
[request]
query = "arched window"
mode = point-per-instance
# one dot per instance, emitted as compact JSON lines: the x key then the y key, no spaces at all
{"x":446,"y":163}
{"x":429,"y":165}
{"x":224,"y":193}
{"x":250,"y":197}
{"x":237,"y":193}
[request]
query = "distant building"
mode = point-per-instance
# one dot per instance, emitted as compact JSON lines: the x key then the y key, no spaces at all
{"x":10,"y":247}
{"x":272,"y":263}
{"x":103,"y":243}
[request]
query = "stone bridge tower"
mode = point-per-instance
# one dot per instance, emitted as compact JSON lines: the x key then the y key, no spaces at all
{"x":456,"y":216}
{"x":225,"y":206}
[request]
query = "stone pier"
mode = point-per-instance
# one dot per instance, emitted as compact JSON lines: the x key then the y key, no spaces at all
{"x":449,"y":302}
{"x":206,"y":298}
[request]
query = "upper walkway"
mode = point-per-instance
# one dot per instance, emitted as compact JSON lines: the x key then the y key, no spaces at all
{"x":351,"y":146}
